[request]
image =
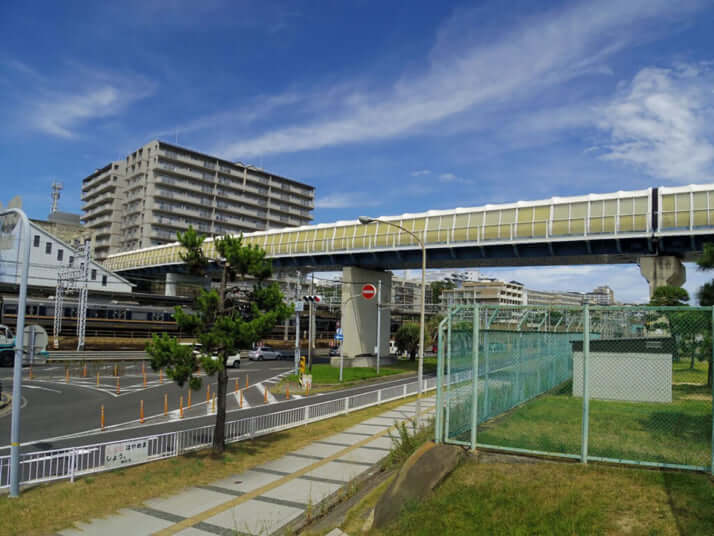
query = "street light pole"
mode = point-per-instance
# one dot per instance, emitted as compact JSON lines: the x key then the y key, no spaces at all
{"x":24,"y":239}
{"x":364,"y":220}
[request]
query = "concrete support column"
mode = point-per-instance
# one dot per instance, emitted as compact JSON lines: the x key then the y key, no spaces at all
{"x":359,"y":315}
{"x":661,"y":271}
{"x":173,"y":281}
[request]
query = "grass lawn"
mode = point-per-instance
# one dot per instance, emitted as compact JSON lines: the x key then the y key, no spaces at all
{"x":328,"y":375}
{"x":561,"y":499}
{"x":682,"y":373}
{"x":679,"y":433}
{"x":51,"y":507}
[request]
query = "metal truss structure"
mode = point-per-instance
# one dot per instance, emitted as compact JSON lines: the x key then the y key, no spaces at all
{"x":69,"y":280}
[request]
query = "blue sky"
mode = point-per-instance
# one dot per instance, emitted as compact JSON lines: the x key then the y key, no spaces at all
{"x":385,"y":107}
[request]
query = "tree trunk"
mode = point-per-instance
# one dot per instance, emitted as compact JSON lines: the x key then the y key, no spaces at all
{"x":219,"y":434}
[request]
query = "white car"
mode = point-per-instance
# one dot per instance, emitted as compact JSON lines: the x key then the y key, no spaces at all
{"x":263,"y":352}
{"x":232,"y":361}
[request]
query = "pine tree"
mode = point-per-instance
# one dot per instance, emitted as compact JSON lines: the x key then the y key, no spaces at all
{"x":223,"y":322}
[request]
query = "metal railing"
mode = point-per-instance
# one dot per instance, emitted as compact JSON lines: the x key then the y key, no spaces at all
{"x":72,"y":462}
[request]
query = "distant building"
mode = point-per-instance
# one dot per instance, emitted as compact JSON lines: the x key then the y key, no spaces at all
{"x":543,"y":297}
{"x":601,"y":296}
{"x":65,"y":226}
{"x":485,"y":290}
{"x":160,"y":189}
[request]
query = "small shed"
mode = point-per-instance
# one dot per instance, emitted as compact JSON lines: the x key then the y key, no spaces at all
{"x":632,"y":370}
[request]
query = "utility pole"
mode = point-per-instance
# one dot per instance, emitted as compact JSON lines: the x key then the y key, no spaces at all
{"x":310,"y":326}
{"x":298,"y":304}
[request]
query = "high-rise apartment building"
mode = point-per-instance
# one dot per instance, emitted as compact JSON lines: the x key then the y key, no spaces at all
{"x":161,"y":188}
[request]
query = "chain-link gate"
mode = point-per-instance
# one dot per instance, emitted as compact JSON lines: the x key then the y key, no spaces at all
{"x":615,"y":384}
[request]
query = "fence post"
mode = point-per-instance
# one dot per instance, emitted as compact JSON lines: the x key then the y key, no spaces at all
{"x":438,"y":428}
{"x":586,"y":387}
{"x":474,"y":378}
{"x":307,"y":414}
{"x":448,"y":376}
{"x":404,"y":391}
{"x":379,"y":397}
{"x":486,"y":400}
{"x":72,"y":464}
{"x":347,"y":405}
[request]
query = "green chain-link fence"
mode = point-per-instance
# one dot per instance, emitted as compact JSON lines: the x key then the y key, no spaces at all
{"x":616,"y":384}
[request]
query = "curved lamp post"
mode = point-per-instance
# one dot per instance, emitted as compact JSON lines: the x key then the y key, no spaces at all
{"x":364,"y":220}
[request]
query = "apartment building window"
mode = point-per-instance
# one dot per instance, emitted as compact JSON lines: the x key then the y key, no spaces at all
{"x":60,"y":254}
{"x":104,"y":280}
{"x":48,"y":248}
{"x":36,"y":241}
{"x":71,"y":260}
{"x":94,"y":274}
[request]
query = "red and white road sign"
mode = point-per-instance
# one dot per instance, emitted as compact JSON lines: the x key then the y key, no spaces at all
{"x":369,"y":291}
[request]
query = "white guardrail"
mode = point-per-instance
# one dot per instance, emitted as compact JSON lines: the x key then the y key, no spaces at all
{"x":71,"y":462}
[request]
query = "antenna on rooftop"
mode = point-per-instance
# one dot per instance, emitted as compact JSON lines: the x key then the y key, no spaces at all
{"x":56,"y":189}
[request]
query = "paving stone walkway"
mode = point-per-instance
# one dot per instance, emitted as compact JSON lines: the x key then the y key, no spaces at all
{"x":264,"y":499}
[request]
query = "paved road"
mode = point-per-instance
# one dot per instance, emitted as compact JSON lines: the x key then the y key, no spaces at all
{"x":53,"y":407}
{"x":58,"y":415}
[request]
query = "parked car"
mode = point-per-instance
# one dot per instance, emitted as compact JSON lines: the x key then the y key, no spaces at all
{"x":232,"y":361}
{"x":334,"y":351}
{"x":264,"y":352}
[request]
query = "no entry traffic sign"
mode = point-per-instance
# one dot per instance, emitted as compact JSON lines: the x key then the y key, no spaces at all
{"x":369,"y":291}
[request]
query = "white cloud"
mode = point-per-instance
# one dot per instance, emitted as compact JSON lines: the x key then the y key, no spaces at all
{"x":662,"y":122}
{"x":420,"y":172}
{"x":347,"y":200}
{"x":451,"y":178}
{"x":463,"y":73}
{"x":59,"y":105}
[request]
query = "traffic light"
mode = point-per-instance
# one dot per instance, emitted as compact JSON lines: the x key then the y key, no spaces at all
{"x":313,"y":299}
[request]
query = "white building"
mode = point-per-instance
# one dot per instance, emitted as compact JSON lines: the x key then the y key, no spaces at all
{"x":48,"y":254}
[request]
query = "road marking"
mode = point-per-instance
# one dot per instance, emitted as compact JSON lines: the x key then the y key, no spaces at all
{"x":42,"y":388}
{"x":246,"y":405}
{"x":207,"y":514}
{"x":262,"y":389}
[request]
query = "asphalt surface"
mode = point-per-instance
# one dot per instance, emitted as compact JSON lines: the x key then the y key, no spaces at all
{"x":56,"y":413}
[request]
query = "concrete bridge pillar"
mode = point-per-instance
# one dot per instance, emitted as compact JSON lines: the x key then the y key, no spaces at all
{"x":359,"y":316}
{"x":662,"y":270}
{"x":174,"y":281}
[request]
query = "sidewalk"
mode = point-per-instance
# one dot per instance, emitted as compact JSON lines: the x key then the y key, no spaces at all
{"x":266,"y":498}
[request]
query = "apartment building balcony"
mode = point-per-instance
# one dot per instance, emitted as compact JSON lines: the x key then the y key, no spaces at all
{"x":95,"y":181}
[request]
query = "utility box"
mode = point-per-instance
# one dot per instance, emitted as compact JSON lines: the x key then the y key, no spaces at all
{"x":631,"y":370}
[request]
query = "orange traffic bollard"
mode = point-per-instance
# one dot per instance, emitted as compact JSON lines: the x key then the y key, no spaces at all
{"x":208,"y":392}
{"x":118,"y":388}
{"x":246,"y":381}
{"x":166,"y":404}
{"x":189,"y":398}
{"x":84,"y":371}
{"x":236,"y":390}
{"x":265,"y":395}
{"x":144,"y":381}
{"x":241,"y":400}
{"x":181,"y":407}
{"x":101,"y":419}
{"x":143,"y":368}
{"x":287,"y":392}
{"x":161,"y":376}
{"x":213,"y":404}
{"x":141,"y":412}
{"x":97,"y":378}
{"x":116,"y":370}
{"x":66,"y":375}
